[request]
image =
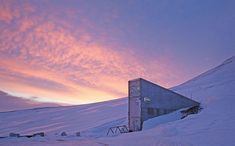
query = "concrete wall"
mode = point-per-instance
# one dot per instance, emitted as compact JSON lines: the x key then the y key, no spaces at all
{"x":155,"y":101}
{"x":134,"y":105}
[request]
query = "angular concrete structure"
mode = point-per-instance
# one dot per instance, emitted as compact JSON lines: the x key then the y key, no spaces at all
{"x":147,"y":100}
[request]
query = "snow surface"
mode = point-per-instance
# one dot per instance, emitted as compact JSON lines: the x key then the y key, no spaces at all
{"x":151,"y":123}
{"x":214,"y":125}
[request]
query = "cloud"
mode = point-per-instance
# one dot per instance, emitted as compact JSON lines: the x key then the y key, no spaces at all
{"x":6,"y":12}
{"x":39,"y":82}
{"x":11,"y":10}
{"x":25,"y":25}
{"x":45,"y":55}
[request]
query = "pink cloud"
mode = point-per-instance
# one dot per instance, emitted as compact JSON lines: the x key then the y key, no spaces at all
{"x":48,"y":49}
{"x":25,"y":24}
{"x":7,"y":13}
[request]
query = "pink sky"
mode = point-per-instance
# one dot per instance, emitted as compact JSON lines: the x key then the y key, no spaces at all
{"x":61,"y":54}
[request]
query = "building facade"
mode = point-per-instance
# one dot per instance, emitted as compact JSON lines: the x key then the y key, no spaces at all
{"x":147,"y":100}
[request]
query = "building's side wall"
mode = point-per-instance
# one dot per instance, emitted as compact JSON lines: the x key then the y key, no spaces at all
{"x":134,"y":108}
{"x":156,"y":100}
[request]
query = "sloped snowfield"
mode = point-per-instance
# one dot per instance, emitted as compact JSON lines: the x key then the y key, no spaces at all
{"x":214,"y":125}
{"x":92,"y":121}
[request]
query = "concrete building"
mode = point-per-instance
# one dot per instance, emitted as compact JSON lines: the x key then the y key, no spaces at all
{"x":147,"y":100}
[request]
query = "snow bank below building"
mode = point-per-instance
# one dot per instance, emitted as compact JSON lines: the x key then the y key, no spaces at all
{"x":163,"y":119}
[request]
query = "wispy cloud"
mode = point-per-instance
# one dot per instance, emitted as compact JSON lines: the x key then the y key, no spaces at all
{"x":45,"y":55}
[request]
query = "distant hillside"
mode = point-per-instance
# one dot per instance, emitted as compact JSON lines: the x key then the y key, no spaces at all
{"x":10,"y":103}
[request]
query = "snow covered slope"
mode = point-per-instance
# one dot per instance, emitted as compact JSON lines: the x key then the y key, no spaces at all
{"x":214,"y":125}
{"x":58,"y":119}
{"x":92,"y":120}
{"x":213,"y":84}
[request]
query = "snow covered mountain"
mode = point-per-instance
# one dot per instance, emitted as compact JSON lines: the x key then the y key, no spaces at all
{"x":214,"y":125}
{"x":11,"y":103}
